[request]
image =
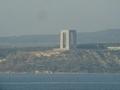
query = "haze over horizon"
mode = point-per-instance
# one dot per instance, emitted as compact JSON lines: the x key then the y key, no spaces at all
{"x":26,"y":17}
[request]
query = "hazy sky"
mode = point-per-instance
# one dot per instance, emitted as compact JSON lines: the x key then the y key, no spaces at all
{"x":18,"y":17}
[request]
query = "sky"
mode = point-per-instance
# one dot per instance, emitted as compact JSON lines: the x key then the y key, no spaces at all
{"x":27,"y":17}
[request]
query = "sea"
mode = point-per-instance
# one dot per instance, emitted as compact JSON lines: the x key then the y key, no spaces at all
{"x":62,"y":81}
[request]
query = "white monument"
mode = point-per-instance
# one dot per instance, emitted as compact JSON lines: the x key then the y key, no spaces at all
{"x":68,"y":39}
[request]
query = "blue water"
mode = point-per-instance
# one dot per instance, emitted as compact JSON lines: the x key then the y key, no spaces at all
{"x":60,"y":82}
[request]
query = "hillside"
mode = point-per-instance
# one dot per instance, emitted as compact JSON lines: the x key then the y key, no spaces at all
{"x":52,"y":60}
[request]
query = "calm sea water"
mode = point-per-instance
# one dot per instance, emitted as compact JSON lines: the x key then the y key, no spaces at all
{"x":60,"y":82}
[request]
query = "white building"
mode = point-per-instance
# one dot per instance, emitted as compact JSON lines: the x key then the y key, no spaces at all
{"x":114,"y":48}
{"x":68,"y":39}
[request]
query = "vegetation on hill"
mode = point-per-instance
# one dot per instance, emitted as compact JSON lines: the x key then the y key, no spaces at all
{"x":94,"y":60}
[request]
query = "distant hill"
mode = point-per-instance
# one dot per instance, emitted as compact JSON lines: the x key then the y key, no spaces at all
{"x":30,"y":40}
{"x":107,"y":36}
